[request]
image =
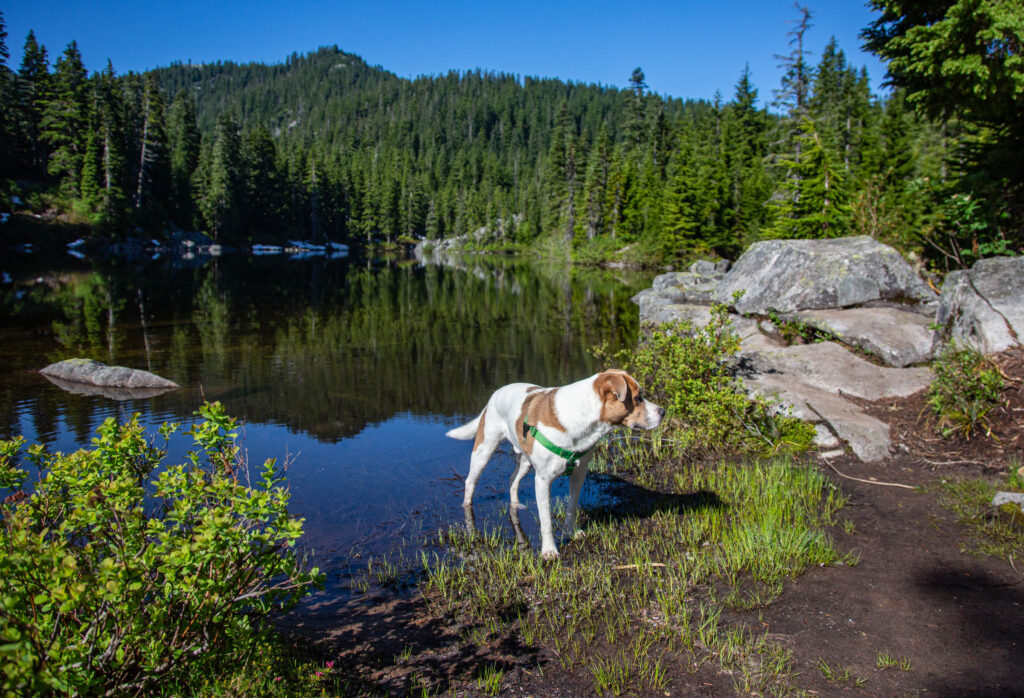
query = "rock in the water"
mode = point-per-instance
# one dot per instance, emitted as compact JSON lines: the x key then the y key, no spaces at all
{"x":787,"y":275}
{"x":983,"y":307}
{"x":106,"y":391}
{"x":897,"y":337}
{"x":91,"y":372}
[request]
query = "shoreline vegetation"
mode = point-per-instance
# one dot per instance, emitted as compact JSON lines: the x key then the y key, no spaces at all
{"x":670,"y":585}
{"x":682,"y":583}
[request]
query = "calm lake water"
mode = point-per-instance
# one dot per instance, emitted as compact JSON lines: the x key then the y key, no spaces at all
{"x":352,"y":370}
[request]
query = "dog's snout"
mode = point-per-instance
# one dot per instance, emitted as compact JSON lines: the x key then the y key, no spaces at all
{"x":661,"y":411}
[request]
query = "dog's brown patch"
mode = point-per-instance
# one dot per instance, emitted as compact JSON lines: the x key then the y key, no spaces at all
{"x":480,"y":429}
{"x":617,"y":391}
{"x":538,"y":407}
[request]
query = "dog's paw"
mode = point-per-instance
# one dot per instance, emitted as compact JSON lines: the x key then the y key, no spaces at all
{"x":548,"y":554}
{"x":579,"y":535}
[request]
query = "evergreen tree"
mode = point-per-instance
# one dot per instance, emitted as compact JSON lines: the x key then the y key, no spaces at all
{"x":104,"y":166}
{"x":595,"y":184}
{"x":263,"y":195}
{"x":813,"y":204}
{"x":959,"y":62}
{"x":183,"y":143}
{"x":153,"y":169}
{"x":8,"y":148}
{"x":636,"y":114}
{"x":561,"y":176}
{"x":795,"y":92}
{"x":33,"y":87}
{"x":222,"y":200}
{"x":746,"y":129}
{"x":681,"y":225}
{"x":64,"y":119}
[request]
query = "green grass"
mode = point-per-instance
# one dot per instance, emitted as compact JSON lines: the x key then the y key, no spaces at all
{"x":967,"y":386}
{"x":890,"y":661}
{"x":838,"y":674}
{"x":489,"y":680}
{"x":645,"y":591}
{"x":999,"y":533}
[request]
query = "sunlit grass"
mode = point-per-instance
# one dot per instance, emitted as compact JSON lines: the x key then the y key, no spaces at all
{"x":999,"y":533}
{"x":642,"y":591}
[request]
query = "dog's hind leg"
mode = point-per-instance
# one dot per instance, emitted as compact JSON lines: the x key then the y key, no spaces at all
{"x":483,"y":449}
{"x":524,"y":468}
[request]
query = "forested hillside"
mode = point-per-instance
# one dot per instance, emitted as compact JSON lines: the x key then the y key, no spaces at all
{"x":325,"y":146}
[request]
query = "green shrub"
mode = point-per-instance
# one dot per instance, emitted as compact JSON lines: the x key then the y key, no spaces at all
{"x":685,"y":370}
{"x":117,"y":571}
{"x":966,"y":387}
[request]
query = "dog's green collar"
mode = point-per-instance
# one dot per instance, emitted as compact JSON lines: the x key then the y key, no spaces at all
{"x":571,"y":457}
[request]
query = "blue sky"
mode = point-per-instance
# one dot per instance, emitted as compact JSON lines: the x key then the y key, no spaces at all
{"x":686,"y":48}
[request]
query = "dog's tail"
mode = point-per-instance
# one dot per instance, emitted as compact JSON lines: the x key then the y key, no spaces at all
{"x":466,"y":431}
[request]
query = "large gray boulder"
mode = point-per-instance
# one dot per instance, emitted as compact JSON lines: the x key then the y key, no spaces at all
{"x":983,"y":307}
{"x":814,"y":381}
{"x":788,"y":275}
{"x":89,"y":372}
{"x":109,"y":392}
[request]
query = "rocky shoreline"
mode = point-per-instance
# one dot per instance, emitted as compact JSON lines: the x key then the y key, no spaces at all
{"x":875,"y":322}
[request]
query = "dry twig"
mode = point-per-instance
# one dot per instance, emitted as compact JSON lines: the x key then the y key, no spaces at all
{"x":867,"y":482}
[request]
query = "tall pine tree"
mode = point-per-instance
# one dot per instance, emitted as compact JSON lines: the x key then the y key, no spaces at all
{"x":64,"y":120}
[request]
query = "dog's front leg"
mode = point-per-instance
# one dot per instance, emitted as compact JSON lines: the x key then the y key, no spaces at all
{"x":524,"y":467}
{"x":575,"y":487}
{"x":542,"y":483}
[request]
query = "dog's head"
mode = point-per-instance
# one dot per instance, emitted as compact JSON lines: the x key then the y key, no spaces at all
{"x":623,"y":402}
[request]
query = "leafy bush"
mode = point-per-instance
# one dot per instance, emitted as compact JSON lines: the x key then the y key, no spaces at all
{"x":966,"y":387}
{"x":109,"y":583}
{"x":685,"y":370}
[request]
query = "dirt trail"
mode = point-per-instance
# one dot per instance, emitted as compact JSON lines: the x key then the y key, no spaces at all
{"x":958,"y":618}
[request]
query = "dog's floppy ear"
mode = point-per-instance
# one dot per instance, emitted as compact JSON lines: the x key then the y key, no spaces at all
{"x":612,"y":382}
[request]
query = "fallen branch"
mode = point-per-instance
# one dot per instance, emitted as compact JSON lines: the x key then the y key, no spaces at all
{"x":636,"y":567}
{"x":956,"y":462}
{"x":867,"y":482}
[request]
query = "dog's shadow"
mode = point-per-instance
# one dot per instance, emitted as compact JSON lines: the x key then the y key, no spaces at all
{"x":620,"y":499}
{"x":610,"y":499}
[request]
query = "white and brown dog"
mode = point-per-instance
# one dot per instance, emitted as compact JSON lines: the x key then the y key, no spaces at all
{"x":554,"y":431}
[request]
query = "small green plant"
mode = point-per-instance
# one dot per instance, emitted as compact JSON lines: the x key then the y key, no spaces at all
{"x":685,"y":369}
{"x":838,"y":673}
{"x":1001,"y":534}
{"x":1015,"y":477}
{"x":489,"y":680}
{"x":966,"y":388}
{"x":117,"y":572}
{"x":794,"y":330}
{"x":889,"y":661}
